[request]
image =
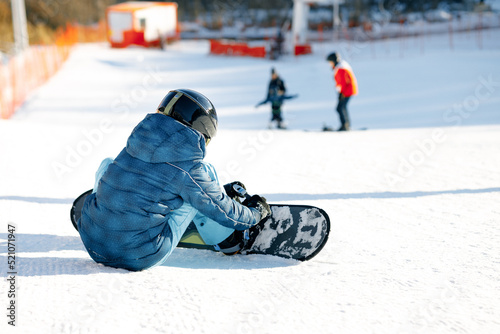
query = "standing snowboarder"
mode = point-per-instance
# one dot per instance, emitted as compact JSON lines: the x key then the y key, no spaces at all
{"x":276,"y":95}
{"x":346,"y":85}
{"x":145,"y":198}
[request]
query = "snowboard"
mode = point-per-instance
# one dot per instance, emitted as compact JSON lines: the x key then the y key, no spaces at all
{"x":291,"y":231}
{"x":327,"y":128}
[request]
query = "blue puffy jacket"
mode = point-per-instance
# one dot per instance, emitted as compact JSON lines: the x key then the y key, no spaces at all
{"x":126,"y":224}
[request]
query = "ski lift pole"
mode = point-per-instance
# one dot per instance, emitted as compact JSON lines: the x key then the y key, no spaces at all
{"x":20,"y":27}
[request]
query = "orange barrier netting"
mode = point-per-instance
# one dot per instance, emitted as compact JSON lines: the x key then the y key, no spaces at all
{"x":236,"y":49}
{"x":302,"y":49}
{"x":31,"y":68}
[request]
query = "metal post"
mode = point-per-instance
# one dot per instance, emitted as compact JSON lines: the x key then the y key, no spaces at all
{"x":336,"y":15}
{"x":300,"y":15}
{"x":21,"y":38}
{"x":298,"y":22}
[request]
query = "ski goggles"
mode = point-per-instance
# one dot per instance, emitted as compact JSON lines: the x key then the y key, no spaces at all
{"x":191,"y":112}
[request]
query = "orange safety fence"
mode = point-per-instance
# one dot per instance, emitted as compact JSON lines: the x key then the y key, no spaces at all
{"x":31,"y":68}
{"x":236,"y":49}
{"x":302,"y":49}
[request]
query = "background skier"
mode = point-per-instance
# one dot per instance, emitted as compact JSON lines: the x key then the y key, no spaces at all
{"x":276,"y":95}
{"x":144,"y":200}
{"x":346,"y":85}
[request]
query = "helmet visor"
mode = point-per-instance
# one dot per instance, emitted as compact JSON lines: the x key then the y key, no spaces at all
{"x":197,"y":114}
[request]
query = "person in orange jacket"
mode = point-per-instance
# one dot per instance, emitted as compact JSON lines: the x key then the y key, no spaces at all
{"x":346,"y":85}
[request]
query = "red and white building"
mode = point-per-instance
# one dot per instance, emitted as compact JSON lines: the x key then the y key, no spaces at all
{"x":147,"y":23}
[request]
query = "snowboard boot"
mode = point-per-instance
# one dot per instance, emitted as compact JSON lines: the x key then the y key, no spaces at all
{"x":251,"y":234}
{"x":344,"y":127}
{"x":232,"y":244}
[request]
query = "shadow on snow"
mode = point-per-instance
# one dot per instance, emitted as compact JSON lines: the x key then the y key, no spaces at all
{"x":50,"y":258}
{"x":375,"y":195}
{"x":288,"y":197}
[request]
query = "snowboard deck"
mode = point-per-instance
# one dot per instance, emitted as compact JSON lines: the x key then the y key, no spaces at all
{"x":326,"y":128}
{"x":291,"y":231}
{"x":76,"y":208}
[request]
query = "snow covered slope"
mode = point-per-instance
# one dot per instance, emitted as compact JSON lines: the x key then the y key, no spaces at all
{"x":415,"y":239}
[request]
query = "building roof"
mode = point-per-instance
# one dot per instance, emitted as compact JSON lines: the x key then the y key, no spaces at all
{"x":136,"y":5}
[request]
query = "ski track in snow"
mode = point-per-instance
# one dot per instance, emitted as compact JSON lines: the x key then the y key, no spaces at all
{"x":415,"y":242}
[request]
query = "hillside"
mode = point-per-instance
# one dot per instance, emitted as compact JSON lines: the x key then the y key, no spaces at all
{"x":413,"y":200}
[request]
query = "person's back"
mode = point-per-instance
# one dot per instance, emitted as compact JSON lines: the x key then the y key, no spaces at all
{"x":126,"y":217}
{"x":276,"y":89}
{"x":345,"y":79}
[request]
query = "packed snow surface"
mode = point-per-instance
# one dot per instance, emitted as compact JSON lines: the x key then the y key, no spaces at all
{"x":414,"y":200}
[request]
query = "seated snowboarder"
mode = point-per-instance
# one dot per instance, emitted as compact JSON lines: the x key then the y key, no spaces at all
{"x":276,"y":94}
{"x":146,"y":197}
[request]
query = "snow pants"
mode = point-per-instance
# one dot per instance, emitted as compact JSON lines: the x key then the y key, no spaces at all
{"x":210,"y":231}
{"x":342,"y":110}
{"x":276,"y":114}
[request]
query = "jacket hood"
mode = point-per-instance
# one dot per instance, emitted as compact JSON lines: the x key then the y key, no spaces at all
{"x":343,"y":64}
{"x":159,"y":138}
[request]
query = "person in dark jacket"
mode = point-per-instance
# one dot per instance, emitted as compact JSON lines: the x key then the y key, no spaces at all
{"x":276,"y":94}
{"x":146,"y":197}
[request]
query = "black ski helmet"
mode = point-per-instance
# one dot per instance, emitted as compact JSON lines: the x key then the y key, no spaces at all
{"x":335,"y":57}
{"x":192,"y":109}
